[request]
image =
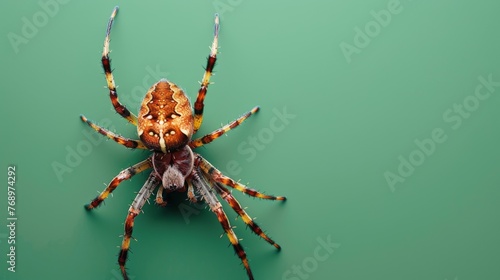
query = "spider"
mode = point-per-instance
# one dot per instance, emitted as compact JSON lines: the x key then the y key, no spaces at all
{"x":165,"y":126}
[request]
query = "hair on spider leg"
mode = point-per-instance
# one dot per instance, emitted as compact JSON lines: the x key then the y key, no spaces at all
{"x":207,"y":181}
{"x":128,"y":256}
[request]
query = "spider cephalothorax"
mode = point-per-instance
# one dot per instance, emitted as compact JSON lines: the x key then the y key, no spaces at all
{"x":165,"y":125}
{"x":165,"y":120}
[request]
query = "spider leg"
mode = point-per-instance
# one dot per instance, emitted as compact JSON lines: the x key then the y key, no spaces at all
{"x":216,"y":207}
{"x":190,"y":193}
{"x":122,"y":176}
{"x":198,"y":105}
{"x":134,"y":210}
{"x":221,"y":131}
{"x":129,"y":143}
{"x":159,"y":197}
{"x":227,"y":196}
{"x":106,"y":64}
{"x":217,"y":176}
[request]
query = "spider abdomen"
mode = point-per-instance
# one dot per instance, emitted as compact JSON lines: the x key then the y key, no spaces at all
{"x":165,"y":120}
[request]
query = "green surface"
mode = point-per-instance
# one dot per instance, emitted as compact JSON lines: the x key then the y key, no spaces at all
{"x":359,"y":108}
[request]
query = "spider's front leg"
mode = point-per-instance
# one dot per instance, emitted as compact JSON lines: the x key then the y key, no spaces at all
{"x":129,"y":143}
{"x":221,"y":131}
{"x":198,"y":105}
{"x":106,"y":65}
{"x":134,"y":210}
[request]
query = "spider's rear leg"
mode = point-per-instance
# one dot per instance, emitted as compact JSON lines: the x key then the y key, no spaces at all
{"x":227,"y":196}
{"x":129,"y":143}
{"x":211,"y":199}
{"x":198,"y":105}
{"x":134,"y":210}
{"x":122,"y":176}
{"x":106,"y":64}
{"x":224,"y":221}
{"x":221,"y":131}
{"x":217,"y":176}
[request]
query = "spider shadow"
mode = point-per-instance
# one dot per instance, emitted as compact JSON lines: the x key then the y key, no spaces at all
{"x":179,"y":209}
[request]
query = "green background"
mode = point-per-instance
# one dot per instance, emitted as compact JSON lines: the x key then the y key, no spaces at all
{"x":351,"y":118}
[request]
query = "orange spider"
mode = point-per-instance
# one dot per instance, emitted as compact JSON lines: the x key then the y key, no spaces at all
{"x":165,"y":125}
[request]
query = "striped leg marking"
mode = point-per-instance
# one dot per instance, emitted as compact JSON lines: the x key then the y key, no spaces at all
{"x":198,"y":105}
{"x":221,"y":131}
{"x":217,"y":176}
{"x":106,"y":64}
{"x":227,"y":196}
{"x":134,"y":210}
{"x":122,"y":176}
{"x":212,"y":201}
{"x":129,"y":143}
{"x":224,"y":221}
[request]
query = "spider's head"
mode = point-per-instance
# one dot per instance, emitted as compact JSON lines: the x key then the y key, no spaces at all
{"x":173,"y":168}
{"x":165,"y":120}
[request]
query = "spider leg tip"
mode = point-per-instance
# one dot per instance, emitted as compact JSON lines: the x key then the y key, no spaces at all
{"x":88,"y":207}
{"x":113,"y":15}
